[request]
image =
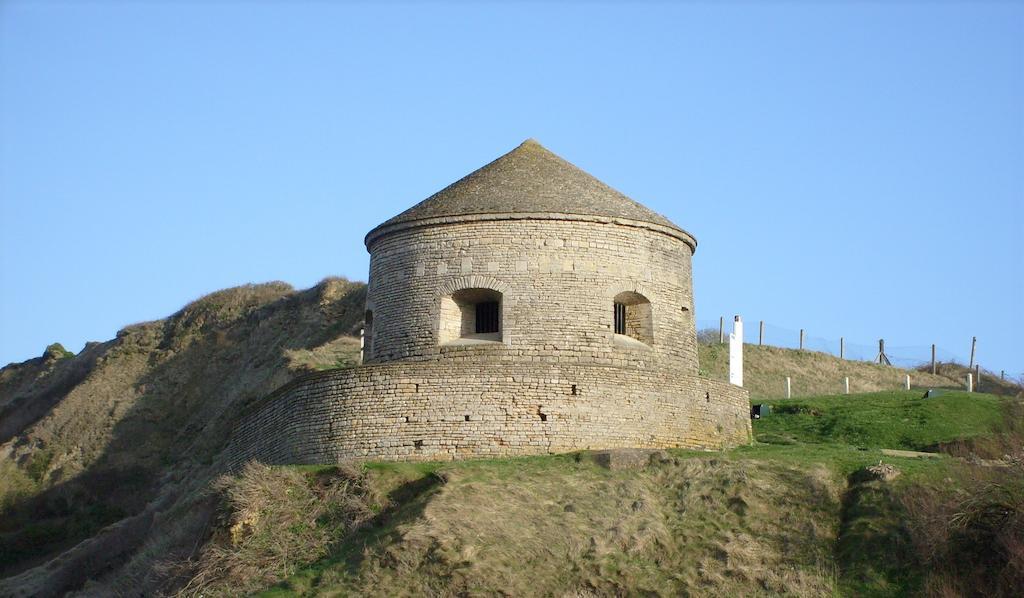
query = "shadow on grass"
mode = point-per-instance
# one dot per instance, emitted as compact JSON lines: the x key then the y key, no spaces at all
{"x":874,"y":548}
{"x":347,"y":553}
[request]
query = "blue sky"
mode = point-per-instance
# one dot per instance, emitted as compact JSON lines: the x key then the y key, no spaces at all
{"x":853,"y":169}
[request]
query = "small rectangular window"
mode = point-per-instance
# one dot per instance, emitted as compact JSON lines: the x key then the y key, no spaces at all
{"x":487,"y":317}
{"x":620,"y":318}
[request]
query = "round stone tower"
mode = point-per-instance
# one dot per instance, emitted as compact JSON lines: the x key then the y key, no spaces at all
{"x":527,"y":308}
{"x":529,"y":259}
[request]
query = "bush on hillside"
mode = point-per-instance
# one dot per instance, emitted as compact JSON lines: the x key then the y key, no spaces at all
{"x":273,"y":520}
{"x":708,"y":336}
{"x":969,"y":532}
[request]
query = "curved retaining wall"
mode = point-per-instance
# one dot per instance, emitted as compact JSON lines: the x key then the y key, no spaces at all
{"x":442,"y":411}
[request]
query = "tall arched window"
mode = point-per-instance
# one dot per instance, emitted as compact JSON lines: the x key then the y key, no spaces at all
{"x":632,"y":317}
{"x":470,"y":315}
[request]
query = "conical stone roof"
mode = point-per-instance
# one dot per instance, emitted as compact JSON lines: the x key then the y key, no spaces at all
{"x":528,"y":181}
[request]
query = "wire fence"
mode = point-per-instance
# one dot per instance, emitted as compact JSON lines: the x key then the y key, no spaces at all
{"x":902,"y":356}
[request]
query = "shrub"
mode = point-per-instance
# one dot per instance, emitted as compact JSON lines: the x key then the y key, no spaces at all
{"x":969,"y":532}
{"x":273,"y":520}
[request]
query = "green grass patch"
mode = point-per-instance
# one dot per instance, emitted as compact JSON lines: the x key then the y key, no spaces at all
{"x":896,"y":420}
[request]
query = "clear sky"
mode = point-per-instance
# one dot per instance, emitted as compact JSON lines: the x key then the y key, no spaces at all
{"x":853,"y":169}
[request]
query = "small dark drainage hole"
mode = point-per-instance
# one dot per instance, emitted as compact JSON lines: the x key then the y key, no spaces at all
{"x":406,"y":419}
{"x":417,"y":444}
{"x":417,"y":388}
{"x":467,"y":417}
{"x":574,"y":390}
{"x":543,"y":417}
{"x":707,"y":397}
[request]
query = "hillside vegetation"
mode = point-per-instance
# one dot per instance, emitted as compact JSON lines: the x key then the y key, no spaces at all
{"x":128,"y":431}
{"x":813,"y":373}
{"x":804,"y":511}
{"x":110,"y":480}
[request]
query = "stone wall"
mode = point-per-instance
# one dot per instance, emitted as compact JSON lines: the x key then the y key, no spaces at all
{"x":451,"y":410}
{"x":557,"y":277}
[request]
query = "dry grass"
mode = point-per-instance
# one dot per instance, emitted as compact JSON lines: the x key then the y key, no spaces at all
{"x":969,"y":531}
{"x":160,"y":398}
{"x":15,"y":486}
{"x":683,"y":527}
{"x":272,"y":521}
{"x":812,"y":373}
{"x":338,"y":353}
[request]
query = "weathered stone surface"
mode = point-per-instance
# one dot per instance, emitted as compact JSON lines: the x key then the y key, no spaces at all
{"x":418,"y":411}
{"x":555,"y":255}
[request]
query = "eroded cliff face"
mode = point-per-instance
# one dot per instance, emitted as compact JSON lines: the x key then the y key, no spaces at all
{"x":126,"y":426}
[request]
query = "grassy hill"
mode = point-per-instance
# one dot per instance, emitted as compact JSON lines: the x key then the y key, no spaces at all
{"x":130,"y":428}
{"x":109,"y":478}
{"x":800,"y":513}
{"x":813,"y":373}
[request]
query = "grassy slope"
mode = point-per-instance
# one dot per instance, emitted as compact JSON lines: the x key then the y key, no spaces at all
{"x":100,"y":436}
{"x":814,"y":374}
{"x":898,"y":420}
{"x":777,"y":517}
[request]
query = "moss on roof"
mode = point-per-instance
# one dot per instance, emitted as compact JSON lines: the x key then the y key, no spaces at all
{"x":529,"y":179}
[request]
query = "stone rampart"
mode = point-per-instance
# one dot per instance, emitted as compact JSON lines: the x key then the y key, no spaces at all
{"x":451,"y":410}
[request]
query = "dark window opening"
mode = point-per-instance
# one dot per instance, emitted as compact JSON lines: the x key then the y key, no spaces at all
{"x":633,"y":317}
{"x":487,"y":317}
{"x":620,"y":318}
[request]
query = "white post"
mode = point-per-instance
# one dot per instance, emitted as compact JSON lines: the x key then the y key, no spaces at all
{"x":846,"y":385}
{"x":736,"y":352}
{"x":789,"y":389}
{"x":362,"y":343}
{"x":970,"y":382}
{"x":906,"y":383}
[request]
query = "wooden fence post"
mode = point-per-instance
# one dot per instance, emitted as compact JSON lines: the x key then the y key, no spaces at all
{"x":977,"y":376}
{"x":842,"y":348}
{"x":801,"y":339}
{"x":974,"y":344}
{"x":933,"y":359}
{"x":721,"y":330}
{"x":882,"y":357}
{"x":760,"y":335}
